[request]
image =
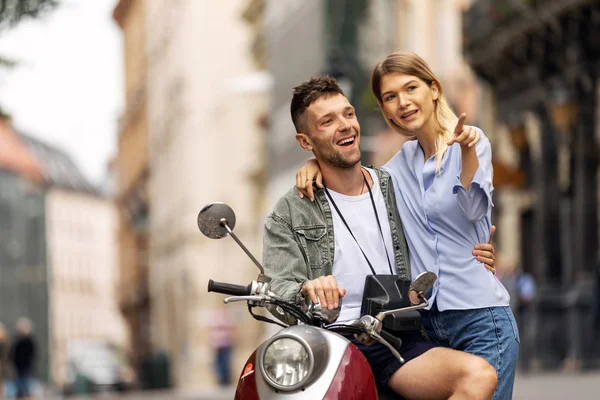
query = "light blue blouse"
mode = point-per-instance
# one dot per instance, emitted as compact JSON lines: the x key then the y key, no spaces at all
{"x":443,"y":221}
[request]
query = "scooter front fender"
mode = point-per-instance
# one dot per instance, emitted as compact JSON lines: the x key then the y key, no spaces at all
{"x":347,"y":376}
{"x":353,"y":379}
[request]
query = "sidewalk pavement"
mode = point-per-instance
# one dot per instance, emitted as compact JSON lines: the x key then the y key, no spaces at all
{"x":555,"y":386}
{"x":546,"y":386}
{"x":207,"y":394}
{"x":541,"y":386}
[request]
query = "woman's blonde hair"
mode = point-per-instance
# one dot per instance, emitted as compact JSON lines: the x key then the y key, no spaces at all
{"x":412,"y":64}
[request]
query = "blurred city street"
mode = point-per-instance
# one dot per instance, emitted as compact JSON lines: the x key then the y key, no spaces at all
{"x":548,"y":386}
{"x":123,"y":121}
{"x":214,"y":394}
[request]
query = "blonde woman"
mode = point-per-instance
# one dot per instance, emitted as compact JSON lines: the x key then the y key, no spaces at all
{"x":443,"y":186}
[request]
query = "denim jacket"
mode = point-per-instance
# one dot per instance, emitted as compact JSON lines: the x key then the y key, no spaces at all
{"x":299,"y":243}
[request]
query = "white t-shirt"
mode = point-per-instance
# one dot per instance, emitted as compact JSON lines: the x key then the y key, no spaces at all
{"x":349,"y":265}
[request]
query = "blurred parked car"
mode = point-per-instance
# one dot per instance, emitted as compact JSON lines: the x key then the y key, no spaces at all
{"x":96,"y":367}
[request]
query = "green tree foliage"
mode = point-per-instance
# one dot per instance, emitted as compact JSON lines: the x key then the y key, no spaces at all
{"x":13,"y":11}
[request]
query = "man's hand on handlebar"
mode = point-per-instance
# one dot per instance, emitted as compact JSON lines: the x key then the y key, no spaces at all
{"x":325,"y":290}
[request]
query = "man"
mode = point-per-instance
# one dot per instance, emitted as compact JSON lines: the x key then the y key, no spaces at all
{"x":324,"y":249}
{"x":23,"y":354}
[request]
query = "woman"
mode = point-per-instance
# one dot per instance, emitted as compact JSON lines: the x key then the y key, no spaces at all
{"x":443,"y":185}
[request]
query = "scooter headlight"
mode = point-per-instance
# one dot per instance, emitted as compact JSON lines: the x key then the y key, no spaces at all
{"x":287,"y":362}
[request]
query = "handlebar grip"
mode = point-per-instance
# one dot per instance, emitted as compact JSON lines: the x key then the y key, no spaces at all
{"x":391,"y":339}
{"x":229,"y":288}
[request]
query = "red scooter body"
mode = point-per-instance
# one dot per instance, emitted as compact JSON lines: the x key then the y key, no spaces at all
{"x":352,"y":379}
{"x":310,"y":360}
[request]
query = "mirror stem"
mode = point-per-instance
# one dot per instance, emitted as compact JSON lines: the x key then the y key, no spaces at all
{"x":381,"y":315}
{"x":254,"y":260}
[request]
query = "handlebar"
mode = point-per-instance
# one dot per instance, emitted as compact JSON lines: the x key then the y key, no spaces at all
{"x":229,"y":288}
{"x":368,"y":326}
{"x":391,"y":339}
{"x":387,"y":339}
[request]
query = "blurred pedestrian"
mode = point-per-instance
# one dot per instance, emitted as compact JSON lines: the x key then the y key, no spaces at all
{"x":222,"y":327}
{"x":597,"y":302}
{"x":23,"y":355}
{"x":525,"y":289}
{"x":525,"y":285}
{"x":4,"y":345}
{"x":506,"y":272}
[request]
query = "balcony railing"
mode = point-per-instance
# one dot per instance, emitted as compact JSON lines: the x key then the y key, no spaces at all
{"x":489,"y":26}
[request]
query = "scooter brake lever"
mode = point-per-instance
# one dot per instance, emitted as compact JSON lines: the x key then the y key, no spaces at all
{"x":372,"y":326}
{"x":233,"y":299}
{"x":389,"y":346}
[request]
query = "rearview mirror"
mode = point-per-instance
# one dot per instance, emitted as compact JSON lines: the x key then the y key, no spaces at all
{"x":214,"y":218}
{"x":217,"y":220}
{"x":421,"y":284}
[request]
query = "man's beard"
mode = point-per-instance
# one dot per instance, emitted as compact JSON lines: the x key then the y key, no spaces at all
{"x":340,"y":162}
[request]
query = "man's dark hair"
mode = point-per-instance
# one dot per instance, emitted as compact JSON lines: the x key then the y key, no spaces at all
{"x":307,"y":93}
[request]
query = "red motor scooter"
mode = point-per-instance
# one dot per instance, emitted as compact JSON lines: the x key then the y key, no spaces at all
{"x":311,"y":359}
